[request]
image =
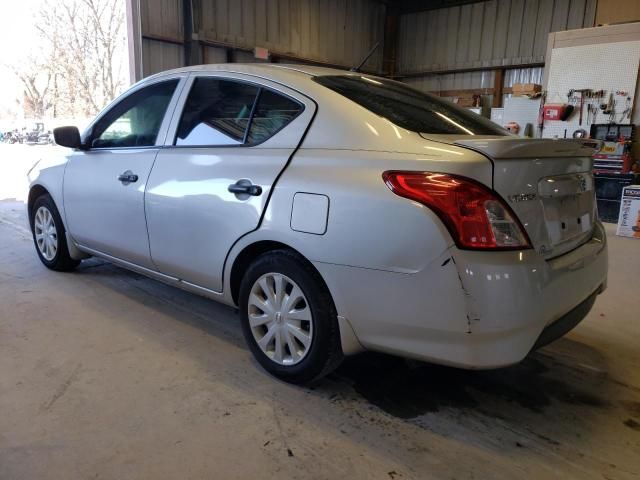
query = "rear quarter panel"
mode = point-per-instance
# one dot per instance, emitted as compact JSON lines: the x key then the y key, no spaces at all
{"x":368,"y":226}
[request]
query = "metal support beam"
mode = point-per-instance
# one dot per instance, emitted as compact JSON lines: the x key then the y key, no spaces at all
{"x":401,"y":75}
{"x":390,"y":46}
{"x":414,"y":6}
{"x":276,"y":57}
{"x":192,"y":48}
{"x":134,"y":40}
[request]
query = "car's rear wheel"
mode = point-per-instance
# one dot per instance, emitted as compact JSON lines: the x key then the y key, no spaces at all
{"x":288,"y":318}
{"x":49,"y":235}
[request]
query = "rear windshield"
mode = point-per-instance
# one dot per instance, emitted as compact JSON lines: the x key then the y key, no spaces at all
{"x":409,"y":108}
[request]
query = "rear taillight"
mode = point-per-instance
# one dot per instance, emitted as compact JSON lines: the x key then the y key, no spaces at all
{"x":476,"y":217}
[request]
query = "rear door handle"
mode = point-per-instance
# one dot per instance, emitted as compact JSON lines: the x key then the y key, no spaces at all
{"x":245,"y":187}
{"x":128,"y":177}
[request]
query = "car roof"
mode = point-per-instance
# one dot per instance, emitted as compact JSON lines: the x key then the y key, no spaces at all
{"x":281,"y":73}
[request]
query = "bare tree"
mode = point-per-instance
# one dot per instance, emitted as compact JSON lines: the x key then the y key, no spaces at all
{"x":36,"y":98}
{"x":81,"y":59}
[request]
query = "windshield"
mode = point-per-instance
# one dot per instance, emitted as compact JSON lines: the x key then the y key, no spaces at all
{"x":409,"y":108}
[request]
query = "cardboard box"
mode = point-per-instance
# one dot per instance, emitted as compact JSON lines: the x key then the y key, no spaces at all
{"x":464,"y":101}
{"x":521,"y":89}
{"x":629,"y":216}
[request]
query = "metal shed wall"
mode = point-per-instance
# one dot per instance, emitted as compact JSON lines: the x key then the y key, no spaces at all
{"x":435,"y":48}
{"x":498,"y":33}
{"x":338,"y":32}
{"x":486,"y":34}
{"x":159,"y":56}
{"x":333,"y":31}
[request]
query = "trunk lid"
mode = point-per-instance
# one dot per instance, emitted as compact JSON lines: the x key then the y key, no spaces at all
{"x":548,"y":183}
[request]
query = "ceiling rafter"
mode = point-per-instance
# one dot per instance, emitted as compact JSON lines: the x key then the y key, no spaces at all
{"x":414,"y":6}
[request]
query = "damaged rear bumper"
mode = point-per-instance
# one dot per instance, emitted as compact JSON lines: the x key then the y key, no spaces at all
{"x":518,"y":301}
{"x":470,"y":309}
{"x":566,"y":323}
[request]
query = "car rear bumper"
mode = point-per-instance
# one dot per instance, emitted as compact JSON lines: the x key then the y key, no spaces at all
{"x":471,"y":309}
{"x":566,"y":323}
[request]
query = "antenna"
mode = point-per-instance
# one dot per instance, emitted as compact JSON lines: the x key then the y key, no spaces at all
{"x":357,"y":69}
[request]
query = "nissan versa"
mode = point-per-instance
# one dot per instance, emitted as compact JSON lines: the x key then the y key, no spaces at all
{"x":339,"y":212}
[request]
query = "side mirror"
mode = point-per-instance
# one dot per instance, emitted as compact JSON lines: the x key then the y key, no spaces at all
{"x":67,"y":137}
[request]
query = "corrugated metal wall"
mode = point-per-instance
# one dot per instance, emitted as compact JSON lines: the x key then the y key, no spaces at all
{"x":453,"y":81}
{"x":487,"y":34}
{"x":483,"y":34}
{"x":159,"y":56}
{"x":161,"y":19}
{"x":340,"y":32}
{"x":492,"y":33}
{"x":334,"y":31}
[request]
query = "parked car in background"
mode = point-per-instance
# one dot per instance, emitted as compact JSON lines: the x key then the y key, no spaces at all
{"x":337,"y":211}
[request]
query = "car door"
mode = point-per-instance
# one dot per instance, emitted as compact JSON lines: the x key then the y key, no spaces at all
{"x":104,"y":185}
{"x":211,"y":181}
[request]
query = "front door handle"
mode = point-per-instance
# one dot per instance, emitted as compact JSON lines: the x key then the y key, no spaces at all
{"x":128,"y":177}
{"x":245,"y":187}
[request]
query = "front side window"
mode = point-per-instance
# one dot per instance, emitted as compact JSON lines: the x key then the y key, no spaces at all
{"x":409,"y":108}
{"x":136,"y":120}
{"x":217,"y":112}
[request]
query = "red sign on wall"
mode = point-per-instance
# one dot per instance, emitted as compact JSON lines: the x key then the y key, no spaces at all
{"x":261,"y":53}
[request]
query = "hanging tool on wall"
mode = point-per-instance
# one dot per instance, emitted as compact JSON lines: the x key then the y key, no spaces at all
{"x":592,"y":111}
{"x":612,"y":112}
{"x":584,"y":93}
{"x":609,"y":108}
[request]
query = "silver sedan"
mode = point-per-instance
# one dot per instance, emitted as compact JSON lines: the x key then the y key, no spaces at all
{"x":339,"y":212}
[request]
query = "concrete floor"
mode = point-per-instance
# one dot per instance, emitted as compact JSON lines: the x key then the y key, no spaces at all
{"x":106,"y":374}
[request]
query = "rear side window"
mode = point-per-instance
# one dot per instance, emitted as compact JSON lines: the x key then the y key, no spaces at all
{"x":272,"y":113}
{"x":217,"y":112}
{"x":409,"y":108}
{"x":221,"y":112}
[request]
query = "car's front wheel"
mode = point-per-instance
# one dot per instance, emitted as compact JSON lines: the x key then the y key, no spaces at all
{"x":49,"y":235}
{"x":288,"y":318}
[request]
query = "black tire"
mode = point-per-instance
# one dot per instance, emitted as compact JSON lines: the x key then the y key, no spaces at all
{"x":61,"y":261}
{"x":325,"y":353}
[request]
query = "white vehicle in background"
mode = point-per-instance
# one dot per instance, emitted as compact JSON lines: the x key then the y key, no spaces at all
{"x":338,"y":211}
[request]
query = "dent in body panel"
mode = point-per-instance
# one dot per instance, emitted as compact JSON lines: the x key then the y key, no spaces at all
{"x":472,"y":315}
{"x":399,"y":312}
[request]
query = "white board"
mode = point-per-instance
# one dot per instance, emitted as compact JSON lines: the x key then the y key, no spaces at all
{"x":522,"y":110}
{"x":605,"y":66}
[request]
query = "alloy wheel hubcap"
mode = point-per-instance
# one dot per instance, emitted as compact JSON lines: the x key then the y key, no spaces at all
{"x":46,"y":233}
{"x":280,"y":318}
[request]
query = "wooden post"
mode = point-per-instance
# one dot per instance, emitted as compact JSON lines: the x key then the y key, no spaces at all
{"x":498,"y":86}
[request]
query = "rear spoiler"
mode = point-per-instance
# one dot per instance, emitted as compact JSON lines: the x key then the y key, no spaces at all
{"x":509,"y":147}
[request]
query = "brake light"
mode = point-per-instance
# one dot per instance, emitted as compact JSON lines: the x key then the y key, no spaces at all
{"x":476,"y":217}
